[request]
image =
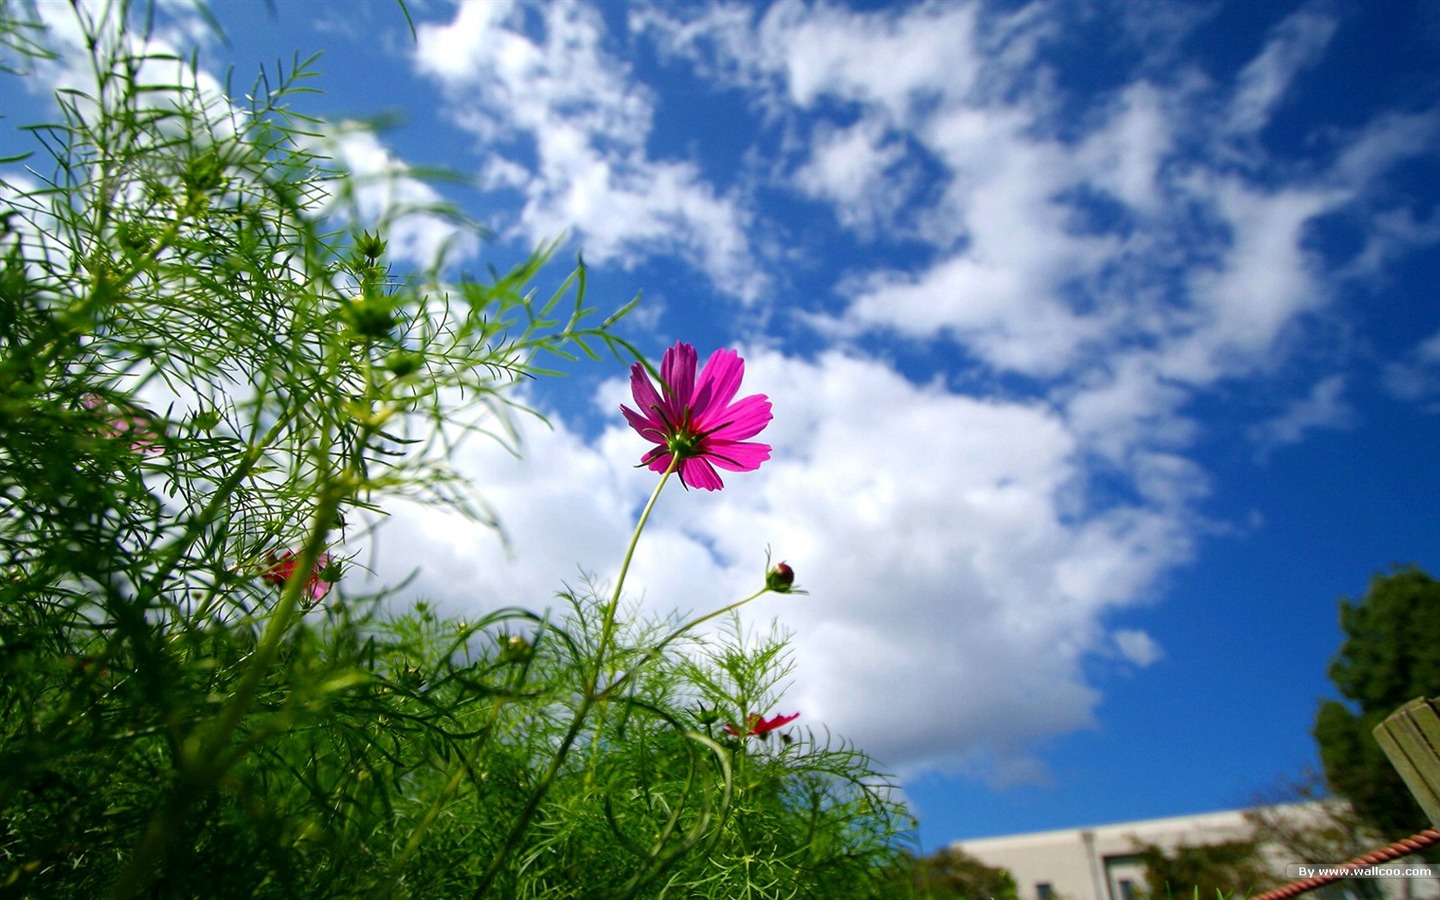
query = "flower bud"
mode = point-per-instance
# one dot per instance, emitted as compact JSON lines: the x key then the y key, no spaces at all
{"x":412,"y":677}
{"x":513,"y":648}
{"x":370,"y":317}
{"x":402,"y":363}
{"x":370,"y":246}
{"x":780,"y":578}
{"x":206,"y":419}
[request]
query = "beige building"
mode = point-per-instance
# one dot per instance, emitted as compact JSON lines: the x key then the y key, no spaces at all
{"x":1103,"y":863}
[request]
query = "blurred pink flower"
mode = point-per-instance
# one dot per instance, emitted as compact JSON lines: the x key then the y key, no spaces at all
{"x":282,"y":567}
{"x":695,"y":419}
{"x":760,"y":725}
{"x":128,"y":423}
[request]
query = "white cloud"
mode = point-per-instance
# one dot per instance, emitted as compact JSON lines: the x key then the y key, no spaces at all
{"x":1262,"y":280}
{"x":1386,"y":140}
{"x":1392,"y":234}
{"x":954,"y":589}
{"x":1126,"y":405}
{"x":1137,"y":647}
{"x":1055,"y":252}
{"x":561,"y":504}
{"x":892,"y":60}
{"x":856,"y":169}
{"x":1416,"y":376}
{"x":962,"y":553}
{"x":1296,"y":43}
{"x":1005,"y":313}
{"x":1125,"y":157}
{"x":382,"y":190}
{"x":1033,"y":279}
{"x":566,"y":123}
{"x":1324,"y":407}
{"x":1041,"y":283}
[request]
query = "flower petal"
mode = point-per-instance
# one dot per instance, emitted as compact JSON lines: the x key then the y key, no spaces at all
{"x":717,"y":384}
{"x":737,"y":456}
{"x":657,"y":459}
{"x":646,"y":398}
{"x":677,"y":369}
{"x":645,"y":426}
{"x":697,"y":472}
{"x":767,"y":725}
{"x":743,"y":419}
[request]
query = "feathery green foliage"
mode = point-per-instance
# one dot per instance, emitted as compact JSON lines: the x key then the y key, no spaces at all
{"x":211,"y":380}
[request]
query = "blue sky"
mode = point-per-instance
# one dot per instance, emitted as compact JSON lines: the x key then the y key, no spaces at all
{"x":1103,"y":340}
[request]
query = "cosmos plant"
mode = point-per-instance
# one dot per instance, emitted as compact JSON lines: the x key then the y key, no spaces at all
{"x":214,"y":387}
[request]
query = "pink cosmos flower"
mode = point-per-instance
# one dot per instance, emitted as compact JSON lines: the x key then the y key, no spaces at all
{"x":695,"y":419}
{"x":282,"y":567}
{"x":133,"y":424}
{"x":760,"y":725}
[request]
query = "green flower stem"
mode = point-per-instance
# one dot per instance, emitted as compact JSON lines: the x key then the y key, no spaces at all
{"x":588,"y":697}
{"x":460,"y":766}
{"x":650,"y":655}
{"x":253,"y":456}
{"x":203,"y":760}
{"x":280,"y":621}
{"x":607,"y":625}
{"x":587,"y":702}
{"x":202,"y":757}
{"x":707,"y":617}
{"x":678,"y":632}
{"x":522,"y":821}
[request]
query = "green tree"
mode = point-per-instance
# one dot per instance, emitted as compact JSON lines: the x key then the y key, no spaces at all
{"x":1222,"y":870}
{"x":949,"y":874}
{"x":1391,"y":655}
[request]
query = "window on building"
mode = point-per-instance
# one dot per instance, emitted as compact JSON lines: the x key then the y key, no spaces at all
{"x":1127,"y":889}
{"x":1044,"y":891}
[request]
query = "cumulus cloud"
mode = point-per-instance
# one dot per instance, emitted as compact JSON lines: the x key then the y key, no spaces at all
{"x":570,"y":125}
{"x":963,"y":552}
{"x":909,"y":56}
{"x":1107,"y":265}
{"x":1123,"y":259}
{"x":1137,"y":647}
{"x":561,"y":505}
{"x":858,"y":170}
{"x":1055,"y":250}
{"x":1263,"y":279}
{"x":421,"y":229}
{"x":955,"y":587}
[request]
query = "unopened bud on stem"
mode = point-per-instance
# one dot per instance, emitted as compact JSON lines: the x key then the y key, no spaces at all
{"x":780,"y":578}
